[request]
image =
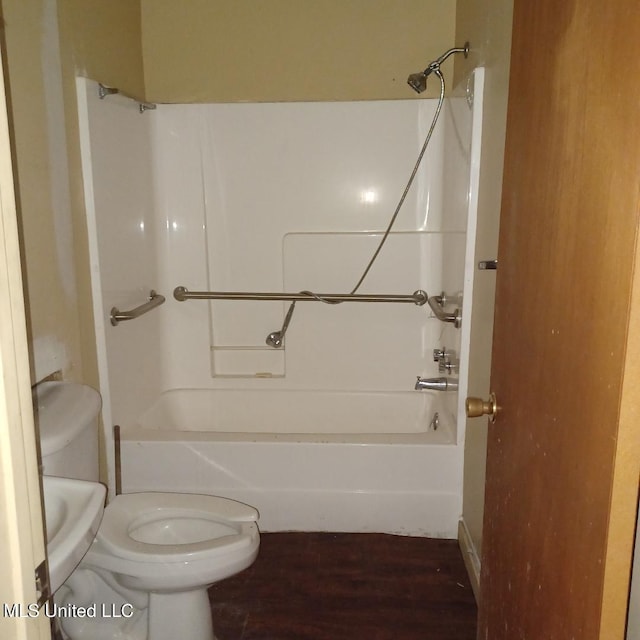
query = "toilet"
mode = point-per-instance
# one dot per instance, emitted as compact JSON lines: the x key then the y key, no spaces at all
{"x":146,"y":574}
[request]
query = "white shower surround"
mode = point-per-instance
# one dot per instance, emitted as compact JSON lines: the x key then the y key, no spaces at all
{"x":167,"y":198}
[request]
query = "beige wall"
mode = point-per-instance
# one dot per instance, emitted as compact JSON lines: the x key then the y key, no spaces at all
{"x":279,"y":50}
{"x":41,"y":69}
{"x":45,"y":44}
{"x":46,"y":227}
{"x":487,"y":25}
{"x":105,"y":41}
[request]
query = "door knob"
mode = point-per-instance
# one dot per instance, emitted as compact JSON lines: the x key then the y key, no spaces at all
{"x":476,"y":407}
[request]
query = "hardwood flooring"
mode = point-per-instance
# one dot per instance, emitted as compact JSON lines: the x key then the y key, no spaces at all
{"x":341,"y":586}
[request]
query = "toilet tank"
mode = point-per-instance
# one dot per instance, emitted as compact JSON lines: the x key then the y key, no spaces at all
{"x":66,"y":416}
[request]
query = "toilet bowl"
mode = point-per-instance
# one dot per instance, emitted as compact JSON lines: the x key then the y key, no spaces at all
{"x":146,"y":574}
{"x":152,"y":561}
{"x":174,"y":542}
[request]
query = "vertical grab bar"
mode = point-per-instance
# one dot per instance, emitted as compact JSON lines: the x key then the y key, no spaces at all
{"x":437,"y":303}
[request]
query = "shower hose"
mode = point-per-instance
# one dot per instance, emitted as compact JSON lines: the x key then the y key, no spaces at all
{"x":276,"y":338}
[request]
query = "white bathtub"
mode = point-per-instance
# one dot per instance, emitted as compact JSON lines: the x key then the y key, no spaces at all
{"x":275,"y":411}
{"x":308,"y":460}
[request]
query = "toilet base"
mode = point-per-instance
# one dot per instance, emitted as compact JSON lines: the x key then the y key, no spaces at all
{"x":185,"y":615}
{"x":181,"y":615}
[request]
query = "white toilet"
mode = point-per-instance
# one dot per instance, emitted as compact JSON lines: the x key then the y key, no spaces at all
{"x":155,"y":554}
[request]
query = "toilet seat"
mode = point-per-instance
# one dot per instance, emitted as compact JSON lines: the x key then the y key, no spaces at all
{"x":232,"y":526}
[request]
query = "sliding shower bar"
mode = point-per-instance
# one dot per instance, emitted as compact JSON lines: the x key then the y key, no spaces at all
{"x":181,"y":294}
{"x":155,"y":300}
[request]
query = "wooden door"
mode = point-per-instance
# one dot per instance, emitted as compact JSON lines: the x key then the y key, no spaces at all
{"x":562,"y":465}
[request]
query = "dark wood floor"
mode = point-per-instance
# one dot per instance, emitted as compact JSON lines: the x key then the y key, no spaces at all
{"x":328,"y":586}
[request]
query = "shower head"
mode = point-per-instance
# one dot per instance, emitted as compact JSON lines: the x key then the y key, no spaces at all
{"x":418,"y":81}
{"x":276,"y":338}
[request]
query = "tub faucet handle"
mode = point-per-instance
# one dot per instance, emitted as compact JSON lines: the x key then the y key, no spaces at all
{"x":447,"y":362}
{"x":448,"y":366}
{"x":440,"y":354}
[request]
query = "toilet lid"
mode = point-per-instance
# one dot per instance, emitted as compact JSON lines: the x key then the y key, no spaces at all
{"x":173,"y":527}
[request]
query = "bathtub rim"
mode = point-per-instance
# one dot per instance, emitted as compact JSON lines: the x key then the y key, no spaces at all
{"x":440,"y":438}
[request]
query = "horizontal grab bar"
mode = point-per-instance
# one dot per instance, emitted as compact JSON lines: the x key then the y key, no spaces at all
{"x":155,"y":300}
{"x":181,"y":294}
{"x":436,"y":303}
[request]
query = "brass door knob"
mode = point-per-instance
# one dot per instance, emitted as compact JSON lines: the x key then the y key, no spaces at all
{"x":476,"y":407}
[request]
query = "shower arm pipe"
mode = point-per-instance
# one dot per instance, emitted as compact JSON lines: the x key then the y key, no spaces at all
{"x":181,"y":294}
{"x":438,"y":61}
{"x":154,"y":300}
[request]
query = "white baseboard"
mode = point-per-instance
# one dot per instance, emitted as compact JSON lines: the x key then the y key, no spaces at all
{"x":470,"y":557}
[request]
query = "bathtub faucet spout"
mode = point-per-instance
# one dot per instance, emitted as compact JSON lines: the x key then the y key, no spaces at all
{"x":436,"y":384}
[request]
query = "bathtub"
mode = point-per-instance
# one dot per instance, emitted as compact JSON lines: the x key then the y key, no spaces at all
{"x":307,"y":460}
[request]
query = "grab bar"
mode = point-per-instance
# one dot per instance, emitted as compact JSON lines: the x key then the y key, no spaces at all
{"x":155,"y":300}
{"x":437,"y":303}
{"x":181,"y":294}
